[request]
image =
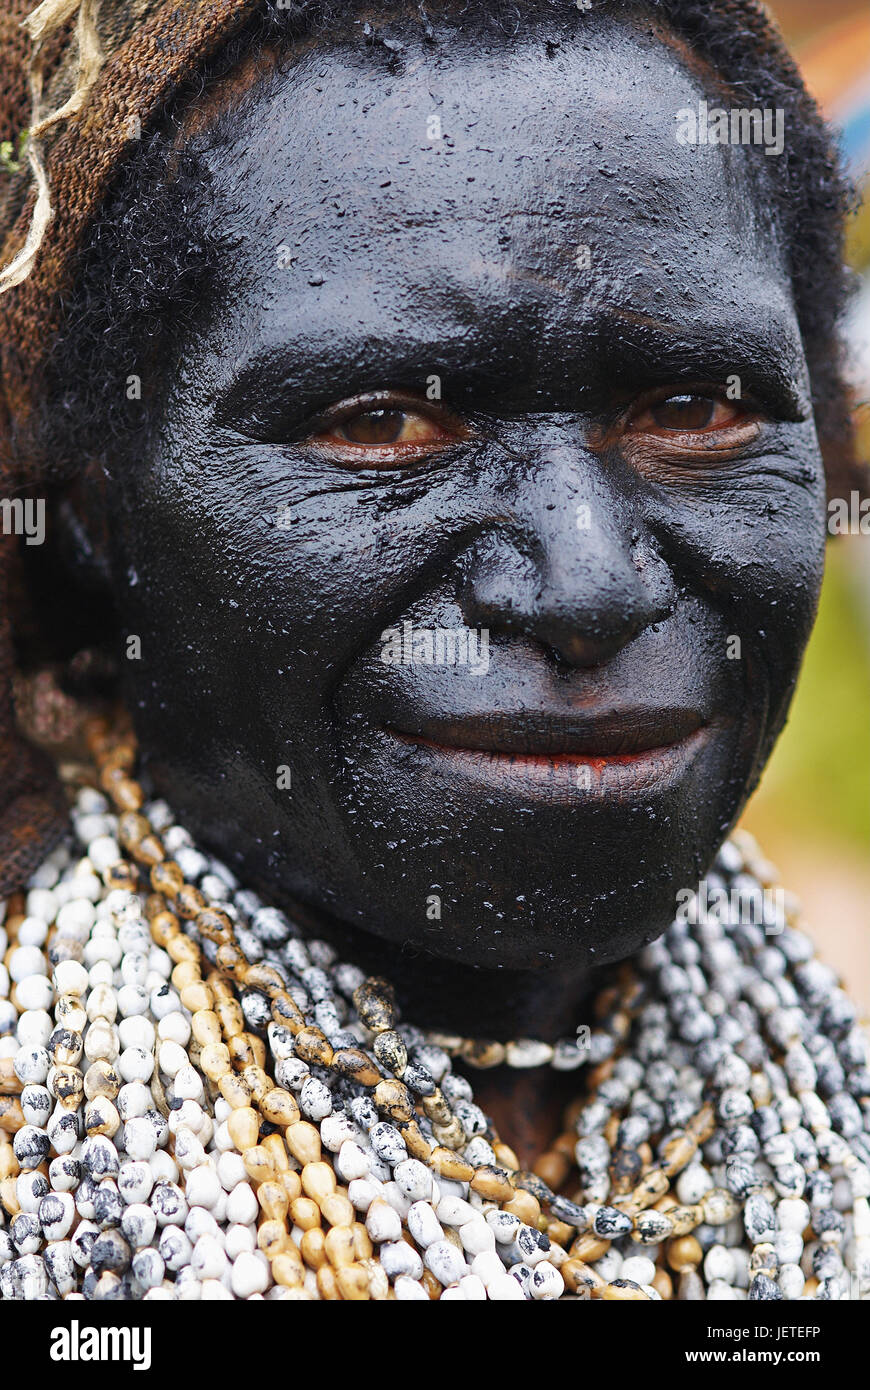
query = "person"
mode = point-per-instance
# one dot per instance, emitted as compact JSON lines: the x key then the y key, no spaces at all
{"x":435,"y":418}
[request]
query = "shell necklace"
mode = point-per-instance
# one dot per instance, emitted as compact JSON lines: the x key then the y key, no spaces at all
{"x":197,"y":1102}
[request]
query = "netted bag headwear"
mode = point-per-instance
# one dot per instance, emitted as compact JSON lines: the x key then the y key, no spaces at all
{"x":84,"y":78}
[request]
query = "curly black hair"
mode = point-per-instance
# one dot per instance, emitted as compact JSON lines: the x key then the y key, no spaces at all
{"x":144,"y":266}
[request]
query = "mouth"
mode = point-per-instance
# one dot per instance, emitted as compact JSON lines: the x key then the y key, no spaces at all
{"x":610,"y":756}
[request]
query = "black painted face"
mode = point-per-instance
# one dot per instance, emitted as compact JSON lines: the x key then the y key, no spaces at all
{"x":635,"y":553}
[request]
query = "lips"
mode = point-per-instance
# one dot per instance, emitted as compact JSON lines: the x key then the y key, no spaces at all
{"x":616,"y":735}
{"x":613,"y":757}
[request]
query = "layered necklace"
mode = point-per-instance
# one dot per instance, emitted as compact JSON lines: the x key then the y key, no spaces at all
{"x":197,"y":1102}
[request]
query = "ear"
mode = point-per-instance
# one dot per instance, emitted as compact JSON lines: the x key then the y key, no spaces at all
{"x":67,"y":598}
{"x":81,"y":530}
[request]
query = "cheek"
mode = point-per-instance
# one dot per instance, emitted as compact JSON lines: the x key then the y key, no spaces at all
{"x":754,"y":544}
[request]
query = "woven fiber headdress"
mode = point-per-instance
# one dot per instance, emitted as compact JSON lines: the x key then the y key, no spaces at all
{"x":82,"y":78}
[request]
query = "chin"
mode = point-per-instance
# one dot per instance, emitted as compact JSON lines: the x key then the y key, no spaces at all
{"x":521,"y":863}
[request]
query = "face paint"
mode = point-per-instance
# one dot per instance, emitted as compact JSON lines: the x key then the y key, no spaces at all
{"x":466,"y":384}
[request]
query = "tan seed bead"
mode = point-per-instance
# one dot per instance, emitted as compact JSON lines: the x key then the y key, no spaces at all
{"x":651,"y":1186}
{"x":285,"y":1010}
{"x":232,"y":1020}
{"x":553,"y":1169}
{"x":187,"y":972}
{"x":318,"y":1181}
{"x":663,"y":1284}
{"x":525,"y":1206}
{"x":492,"y":1183}
{"x":580,"y":1278}
{"x":164,"y":928}
{"x":292,"y":1185}
{"x":305,"y":1213}
{"x":288,"y":1269}
{"x":623,"y":1292}
{"x":437,"y":1108}
{"x":279,"y":1107}
{"x":702,"y":1124}
{"x":339,"y":1246}
{"x":589,"y":1248}
{"x":182,"y":948}
{"x":483,"y":1055}
{"x":155,"y":903}
{"x":214,"y":1060}
{"x":683,"y":1253}
{"x":214,"y":925}
{"x":9,"y":1082}
{"x":303,"y":1141}
{"x":677,"y":1153}
{"x":393,"y":1099}
{"x":257,"y":1082}
{"x":450,"y":1136}
{"x":196,"y":996}
{"x":273,"y":1238}
{"x":244,"y":1128}
{"x":685,"y":1219}
{"x":362,"y":1242}
{"x":167,"y":878}
{"x":353,"y":1281}
{"x":337,"y":1210}
{"x":264,"y":977}
{"x":273,"y":1200}
{"x":234,"y":1091}
{"x":241,"y":1052}
{"x":230,"y":958}
{"x":327,"y":1285}
{"x":313,"y":1046}
{"x":9,"y":1165}
{"x":132,"y":828}
{"x":101,"y":1079}
{"x":9,"y":1196}
{"x":101,"y":1117}
{"x":450,"y":1165}
{"x":560,"y":1233}
{"x":221,"y":988}
{"x":353,"y":1063}
{"x":506,"y":1157}
{"x":417,"y":1144}
{"x":258,"y":1163}
{"x":189,"y":903}
{"x":122,"y":875}
{"x":206,"y":1027}
{"x":149,"y":851}
{"x":373,"y":1001}
{"x":431,"y":1284}
{"x":313,"y":1247}
{"x":276,"y":1147}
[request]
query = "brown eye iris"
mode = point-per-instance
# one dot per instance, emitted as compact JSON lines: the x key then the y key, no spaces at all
{"x":686,"y":413}
{"x":373,"y":427}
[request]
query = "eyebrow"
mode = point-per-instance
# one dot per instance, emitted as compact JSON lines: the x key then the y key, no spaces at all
{"x":644,"y":350}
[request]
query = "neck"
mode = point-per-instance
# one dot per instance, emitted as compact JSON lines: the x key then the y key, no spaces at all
{"x":446,"y":997}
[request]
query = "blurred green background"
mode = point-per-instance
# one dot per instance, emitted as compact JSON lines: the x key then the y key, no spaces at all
{"x":811,"y":813}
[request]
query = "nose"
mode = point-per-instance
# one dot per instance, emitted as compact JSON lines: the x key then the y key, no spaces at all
{"x":569,"y":563}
